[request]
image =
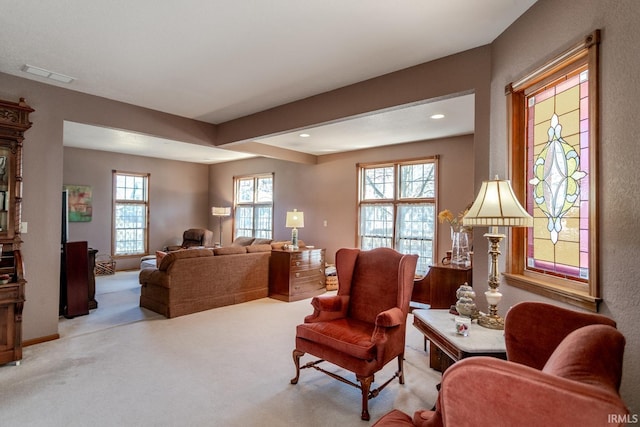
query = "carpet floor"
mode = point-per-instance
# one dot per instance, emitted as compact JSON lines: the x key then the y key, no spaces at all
{"x":122,"y":365}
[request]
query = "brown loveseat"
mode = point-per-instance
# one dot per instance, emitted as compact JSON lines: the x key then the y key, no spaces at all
{"x":194,"y":280}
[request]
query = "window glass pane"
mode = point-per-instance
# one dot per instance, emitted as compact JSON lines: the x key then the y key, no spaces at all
{"x":417,"y":181}
{"x":263,"y":221}
{"x":244,"y":221}
{"x":130,"y":228}
{"x":558,"y":194}
{"x":245,"y":191}
{"x":378,"y":183}
{"x":265,"y":189}
{"x":376,"y":226}
{"x":415,"y":232}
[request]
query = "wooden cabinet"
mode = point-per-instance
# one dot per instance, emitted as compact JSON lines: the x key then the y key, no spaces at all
{"x":14,"y":121}
{"x":296,"y":275}
{"x":438,"y":288}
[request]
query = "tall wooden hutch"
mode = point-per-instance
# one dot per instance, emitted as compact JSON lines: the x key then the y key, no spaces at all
{"x":14,"y":121}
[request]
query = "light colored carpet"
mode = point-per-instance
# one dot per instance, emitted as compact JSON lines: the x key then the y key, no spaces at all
{"x":229,"y":366}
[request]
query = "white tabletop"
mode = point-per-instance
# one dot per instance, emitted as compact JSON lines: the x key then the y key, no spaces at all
{"x":479,"y":340}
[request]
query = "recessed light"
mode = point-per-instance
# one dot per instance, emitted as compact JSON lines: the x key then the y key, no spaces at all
{"x":304,"y":135}
{"x":41,"y":72}
{"x":437,"y":116}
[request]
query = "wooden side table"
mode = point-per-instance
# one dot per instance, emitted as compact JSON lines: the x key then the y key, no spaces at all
{"x":446,"y":347}
{"x":296,"y":274}
{"x":438,"y":288}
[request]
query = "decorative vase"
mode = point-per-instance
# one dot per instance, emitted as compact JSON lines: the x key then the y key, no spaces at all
{"x":460,"y":248}
{"x":466,"y":305}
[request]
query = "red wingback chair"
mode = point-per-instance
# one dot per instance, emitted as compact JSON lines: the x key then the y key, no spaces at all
{"x":363,"y":327}
{"x":564,"y":368}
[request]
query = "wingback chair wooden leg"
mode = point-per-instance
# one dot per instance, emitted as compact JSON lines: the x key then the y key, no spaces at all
{"x":365,"y":385}
{"x":401,"y":368}
{"x":297,"y":354}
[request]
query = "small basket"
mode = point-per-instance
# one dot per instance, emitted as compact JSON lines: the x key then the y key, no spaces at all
{"x":105,"y":265}
{"x":332,"y":283}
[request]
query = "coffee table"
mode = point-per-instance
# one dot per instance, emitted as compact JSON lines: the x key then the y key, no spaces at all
{"x":446,"y":347}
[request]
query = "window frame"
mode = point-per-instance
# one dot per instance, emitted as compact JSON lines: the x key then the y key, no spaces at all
{"x":116,"y":202}
{"x":254,"y":203}
{"x":397,"y":200}
{"x":585,"y":294}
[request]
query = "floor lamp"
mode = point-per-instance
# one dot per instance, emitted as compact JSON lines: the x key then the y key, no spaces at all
{"x":220,"y":212}
{"x":495,"y":206}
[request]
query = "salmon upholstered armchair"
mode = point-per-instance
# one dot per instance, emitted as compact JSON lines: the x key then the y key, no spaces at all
{"x":363,"y":327}
{"x":563,"y":368}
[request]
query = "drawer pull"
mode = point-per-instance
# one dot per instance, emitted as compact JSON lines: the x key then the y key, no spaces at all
{"x":297,"y":274}
{"x":297,"y":262}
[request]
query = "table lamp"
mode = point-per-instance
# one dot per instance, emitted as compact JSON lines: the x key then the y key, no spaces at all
{"x":220,"y":212}
{"x":295,"y":219}
{"x":496,"y":206}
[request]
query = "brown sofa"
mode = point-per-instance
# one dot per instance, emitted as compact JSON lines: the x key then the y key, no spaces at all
{"x":194,"y":280}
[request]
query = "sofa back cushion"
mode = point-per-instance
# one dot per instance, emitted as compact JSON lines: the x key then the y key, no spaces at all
{"x":230,"y":250}
{"x":591,"y":354}
{"x":169,"y":258}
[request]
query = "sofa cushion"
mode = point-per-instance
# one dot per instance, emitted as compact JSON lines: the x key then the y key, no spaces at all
{"x":168,"y":259}
{"x":230,"y":250}
{"x":259,"y":248}
{"x":591,"y":354}
{"x":242,"y":241}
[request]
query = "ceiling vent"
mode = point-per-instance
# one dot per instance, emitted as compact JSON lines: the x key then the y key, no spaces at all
{"x":37,"y":71}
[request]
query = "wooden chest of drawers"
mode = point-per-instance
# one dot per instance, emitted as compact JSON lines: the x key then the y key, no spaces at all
{"x":296,"y":275}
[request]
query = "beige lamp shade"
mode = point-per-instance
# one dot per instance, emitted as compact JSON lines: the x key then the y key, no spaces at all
{"x":220,"y":211}
{"x":497,"y":206}
{"x":295,"y":219}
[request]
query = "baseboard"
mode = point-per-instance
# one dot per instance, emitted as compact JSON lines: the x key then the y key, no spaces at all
{"x":40,"y":340}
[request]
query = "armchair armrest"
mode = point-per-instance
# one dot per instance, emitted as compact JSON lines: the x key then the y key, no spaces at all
{"x":474,"y":387}
{"x":392,"y":317}
{"x":328,"y":307}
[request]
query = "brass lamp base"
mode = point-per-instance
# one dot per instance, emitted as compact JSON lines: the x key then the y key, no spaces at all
{"x":491,"y":321}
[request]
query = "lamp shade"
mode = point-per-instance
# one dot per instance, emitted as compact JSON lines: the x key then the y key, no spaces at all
{"x":295,"y":219}
{"x":220,"y":211}
{"x":497,"y":206}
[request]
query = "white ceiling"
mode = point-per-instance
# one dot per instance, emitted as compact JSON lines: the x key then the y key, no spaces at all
{"x":215,"y":60}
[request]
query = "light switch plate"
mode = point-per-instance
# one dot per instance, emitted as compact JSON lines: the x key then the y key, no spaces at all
{"x":24,"y":226}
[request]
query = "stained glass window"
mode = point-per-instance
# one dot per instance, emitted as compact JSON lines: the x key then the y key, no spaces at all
{"x":558,"y":197}
{"x":553,"y":131}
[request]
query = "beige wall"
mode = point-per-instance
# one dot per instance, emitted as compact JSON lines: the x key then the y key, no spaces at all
{"x":178,"y":197}
{"x":328,"y":190}
{"x":551,"y":27}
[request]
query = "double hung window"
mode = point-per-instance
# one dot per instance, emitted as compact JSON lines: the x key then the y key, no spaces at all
{"x":397,"y":208}
{"x":254,"y":206}
{"x":130,"y":213}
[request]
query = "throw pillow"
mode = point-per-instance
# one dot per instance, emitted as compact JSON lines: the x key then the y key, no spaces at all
{"x":159,"y":256}
{"x":242,"y":241}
